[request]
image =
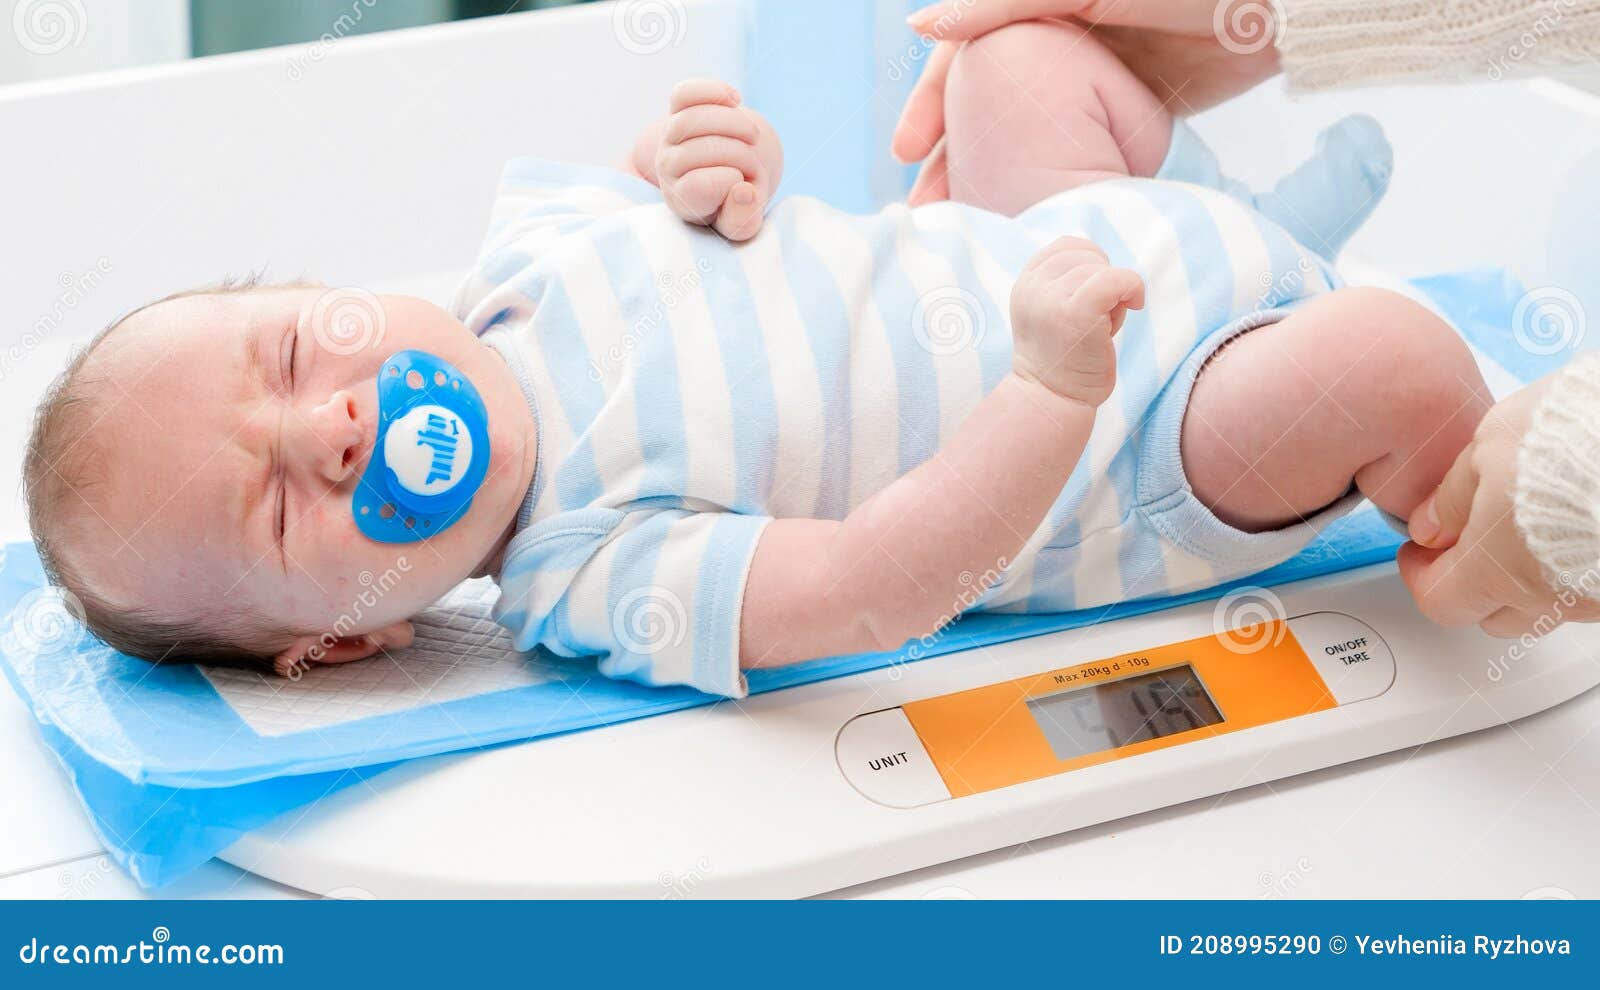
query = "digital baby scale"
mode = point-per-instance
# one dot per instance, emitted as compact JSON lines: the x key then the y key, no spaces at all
{"x":820,"y":787}
{"x":1058,"y":721}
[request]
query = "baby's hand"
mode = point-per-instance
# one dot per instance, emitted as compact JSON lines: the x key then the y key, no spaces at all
{"x":1065,"y":308}
{"x":718,"y":162}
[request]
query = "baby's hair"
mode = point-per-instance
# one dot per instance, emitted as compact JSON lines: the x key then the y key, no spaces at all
{"x":60,"y":472}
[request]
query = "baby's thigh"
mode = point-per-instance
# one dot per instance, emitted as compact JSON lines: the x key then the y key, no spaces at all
{"x":1358,"y":387}
{"x":1038,"y":107}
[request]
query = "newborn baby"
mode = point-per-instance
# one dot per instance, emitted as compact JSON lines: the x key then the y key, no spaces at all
{"x":766,"y":435}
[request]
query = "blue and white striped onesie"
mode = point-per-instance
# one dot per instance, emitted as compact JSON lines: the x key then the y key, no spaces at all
{"x":689,"y":390}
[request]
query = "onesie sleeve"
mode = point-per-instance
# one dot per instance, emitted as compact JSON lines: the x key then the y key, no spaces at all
{"x":539,"y":202}
{"x":557,"y":197}
{"x":654,"y":594}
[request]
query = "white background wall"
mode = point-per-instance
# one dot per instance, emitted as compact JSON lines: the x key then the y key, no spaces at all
{"x":40,"y":39}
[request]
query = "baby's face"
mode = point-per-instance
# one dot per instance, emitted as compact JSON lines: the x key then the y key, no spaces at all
{"x":237,"y":431}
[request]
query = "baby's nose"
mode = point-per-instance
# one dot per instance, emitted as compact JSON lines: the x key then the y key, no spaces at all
{"x":336,"y":437}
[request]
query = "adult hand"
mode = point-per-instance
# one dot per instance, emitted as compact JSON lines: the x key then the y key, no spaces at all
{"x":1468,"y":564}
{"x":1191,"y":53}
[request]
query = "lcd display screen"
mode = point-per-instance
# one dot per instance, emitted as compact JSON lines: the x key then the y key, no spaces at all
{"x":1117,"y":713}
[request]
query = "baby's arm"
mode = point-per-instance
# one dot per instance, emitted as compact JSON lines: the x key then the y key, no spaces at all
{"x":893,"y":569}
{"x":716,"y":162}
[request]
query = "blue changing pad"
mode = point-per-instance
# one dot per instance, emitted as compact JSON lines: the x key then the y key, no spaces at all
{"x":172,"y":771}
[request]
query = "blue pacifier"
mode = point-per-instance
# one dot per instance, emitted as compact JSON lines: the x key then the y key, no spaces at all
{"x":431,"y":454}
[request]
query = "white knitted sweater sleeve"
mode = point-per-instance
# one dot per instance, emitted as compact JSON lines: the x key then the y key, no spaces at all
{"x":1558,"y":474}
{"x":1325,"y":43}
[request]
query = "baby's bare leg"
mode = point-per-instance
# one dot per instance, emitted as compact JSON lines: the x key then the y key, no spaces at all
{"x":1359,"y":386}
{"x":1038,"y":107}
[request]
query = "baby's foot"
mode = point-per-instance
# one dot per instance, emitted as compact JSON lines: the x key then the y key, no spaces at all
{"x":1327,"y":199}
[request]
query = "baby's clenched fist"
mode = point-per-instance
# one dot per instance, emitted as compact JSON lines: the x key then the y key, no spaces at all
{"x":1066,"y":306}
{"x":718,"y":161}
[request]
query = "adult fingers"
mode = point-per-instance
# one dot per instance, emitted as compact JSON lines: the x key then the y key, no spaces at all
{"x":921,"y":124}
{"x":1454,"y":587}
{"x":1514,"y":623}
{"x":1440,"y":519}
{"x":933,"y":181}
{"x":961,"y":20}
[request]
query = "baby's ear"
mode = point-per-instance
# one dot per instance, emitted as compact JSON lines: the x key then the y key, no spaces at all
{"x":309,"y":650}
{"x":394,"y":636}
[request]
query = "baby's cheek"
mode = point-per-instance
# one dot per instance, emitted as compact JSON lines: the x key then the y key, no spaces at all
{"x":329,"y":538}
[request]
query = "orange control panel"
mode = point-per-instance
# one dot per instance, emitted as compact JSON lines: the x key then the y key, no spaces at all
{"x":1060,"y":720}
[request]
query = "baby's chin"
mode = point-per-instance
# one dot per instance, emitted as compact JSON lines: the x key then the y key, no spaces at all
{"x":500,"y":500}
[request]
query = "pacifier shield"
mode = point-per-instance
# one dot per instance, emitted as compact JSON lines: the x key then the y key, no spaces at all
{"x":432,"y":451}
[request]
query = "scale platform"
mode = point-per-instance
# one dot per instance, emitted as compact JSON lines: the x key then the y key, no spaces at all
{"x":821,"y":787}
